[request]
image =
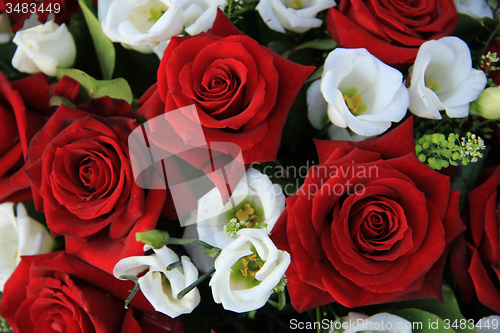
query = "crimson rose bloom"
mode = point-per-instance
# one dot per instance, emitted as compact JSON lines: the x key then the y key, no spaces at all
{"x":81,"y":176}
{"x":242,"y":91}
{"x":24,"y":108}
{"x":370,"y":225}
{"x":58,"y":293}
{"x":391,"y":30}
{"x":475,"y":260}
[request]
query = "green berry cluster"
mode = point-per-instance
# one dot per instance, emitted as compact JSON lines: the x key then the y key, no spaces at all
{"x":281,"y":285}
{"x":487,"y":64}
{"x":4,"y":326}
{"x":441,"y":152}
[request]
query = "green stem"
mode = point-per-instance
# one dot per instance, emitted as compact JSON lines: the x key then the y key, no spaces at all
{"x":488,"y":41}
{"x":135,"y":279}
{"x":318,"y":317}
{"x":193,"y":285}
{"x":173,"y":265}
{"x":182,"y":241}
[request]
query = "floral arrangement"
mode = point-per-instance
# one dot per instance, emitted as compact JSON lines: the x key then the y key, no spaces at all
{"x":249,"y":166}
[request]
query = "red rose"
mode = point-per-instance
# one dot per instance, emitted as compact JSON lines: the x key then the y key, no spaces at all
{"x":81,"y":177}
{"x":24,"y":108}
{"x":370,"y":225}
{"x":391,"y":30}
{"x":475,"y":260}
{"x":59,"y":293}
{"x":242,"y":91}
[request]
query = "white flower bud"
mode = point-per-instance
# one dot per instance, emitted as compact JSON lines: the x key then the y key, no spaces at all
{"x":43,"y":48}
{"x":19,"y":235}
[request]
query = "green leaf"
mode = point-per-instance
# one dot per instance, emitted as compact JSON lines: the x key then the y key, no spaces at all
{"x":59,"y":100}
{"x":92,"y":88}
{"x":424,"y":322}
{"x":6,"y":53}
{"x":104,"y":47}
{"x":316,"y":74}
{"x":448,"y":309}
{"x":465,"y":179}
{"x":323,"y":44}
{"x":117,"y":88}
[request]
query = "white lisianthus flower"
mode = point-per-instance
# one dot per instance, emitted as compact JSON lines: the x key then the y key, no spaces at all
{"x":199,"y":15}
{"x":381,"y":322}
{"x":247,"y":271}
{"x":141,"y":24}
{"x":474,"y":8}
{"x":256,"y":203}
{"x":362,"y":92}
{"x":317,"y":112}
{"x":489,"y":324}
{"x":5,"y":32}
{"x":161,"y":286}
{"x":43,"y":47}
{"x":294,"y":15}
{"x":19,"y":235}
{"x":442,"y":78}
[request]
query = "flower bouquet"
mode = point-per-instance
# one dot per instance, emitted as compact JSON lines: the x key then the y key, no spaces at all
{"x":249,"y":166}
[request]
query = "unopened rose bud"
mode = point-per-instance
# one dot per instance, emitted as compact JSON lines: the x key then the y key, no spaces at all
{"x":487,"y":105}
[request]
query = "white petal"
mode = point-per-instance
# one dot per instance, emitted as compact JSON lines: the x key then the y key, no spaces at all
{"x":133,"y":265}
{"x":316,"y":106}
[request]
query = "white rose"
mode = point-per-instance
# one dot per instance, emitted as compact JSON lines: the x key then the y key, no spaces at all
{"x":442,"y":78}
{"x":44,"y":47}
{"x":474,"y":8}
{"x":317,"y":112}
{"x":381,"y":322}
{"x":199,"y":15}
{"x":19,"y":236}
{"x":489,"y":324}
{"x":159,"y":286}
{"x":247,"y":270}
{"x":256,"y":200}
{"x":362,"y":92}
{"x":141,"y":24}
{"x":294,"y":15}
{"x":5,"y":33}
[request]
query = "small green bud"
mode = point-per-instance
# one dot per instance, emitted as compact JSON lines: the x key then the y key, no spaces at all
{"x":154,"y":238}
{"x":487,"y":105}
{"x":421,"y":158}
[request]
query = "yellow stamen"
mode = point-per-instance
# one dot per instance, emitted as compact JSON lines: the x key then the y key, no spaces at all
{"x":242,"y":215}
{"x":353,"y":103}
{"x":296,"y":4}
{"x":248,"y":209}
{"x":245,"y":262}
{"x":244,"y":271}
